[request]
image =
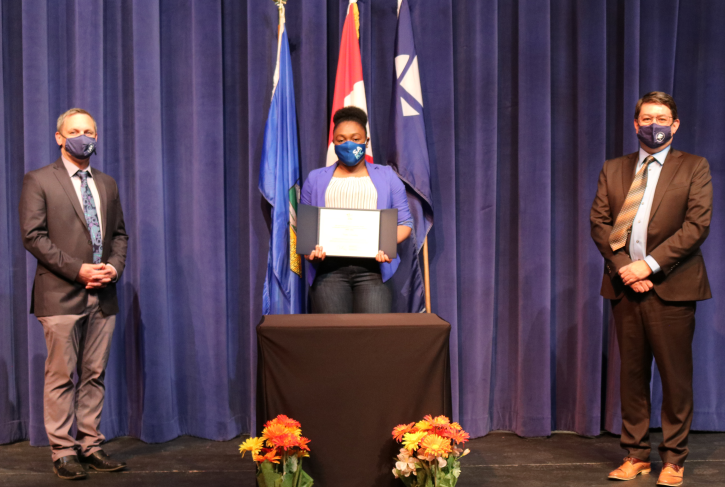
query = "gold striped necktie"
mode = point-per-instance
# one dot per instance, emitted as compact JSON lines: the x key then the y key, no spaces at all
{"x":622,"y":226}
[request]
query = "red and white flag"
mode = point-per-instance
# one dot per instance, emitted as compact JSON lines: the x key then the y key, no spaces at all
{"x":349,"y":87}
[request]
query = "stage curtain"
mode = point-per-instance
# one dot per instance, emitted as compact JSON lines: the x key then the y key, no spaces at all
{"x":524,"y":100}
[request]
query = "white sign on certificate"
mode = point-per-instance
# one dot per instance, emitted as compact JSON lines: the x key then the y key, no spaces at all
{"x":349,"y":233}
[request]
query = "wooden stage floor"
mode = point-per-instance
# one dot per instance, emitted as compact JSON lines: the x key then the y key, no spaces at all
{"x":500,"y":459}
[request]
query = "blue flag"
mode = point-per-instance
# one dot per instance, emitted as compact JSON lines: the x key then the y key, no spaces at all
{"x":409,"y":156}
{"x":279,"y":177}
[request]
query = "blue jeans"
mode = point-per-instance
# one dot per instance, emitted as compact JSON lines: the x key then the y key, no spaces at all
{"x":349,"y":285}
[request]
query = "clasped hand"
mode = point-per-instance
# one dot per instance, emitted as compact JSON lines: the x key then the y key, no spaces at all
{"x":96,"y":276}
{"x":319,"y":255}
{"x":635,"y":276}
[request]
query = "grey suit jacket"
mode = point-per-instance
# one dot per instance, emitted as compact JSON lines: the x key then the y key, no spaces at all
{"x":54,"y":230}
{"x":679,"y":223}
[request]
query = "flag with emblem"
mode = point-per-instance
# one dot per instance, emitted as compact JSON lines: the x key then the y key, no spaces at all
{"x":409,"y":156}
{"x":279,"y":177}
{"x":349,"y":86}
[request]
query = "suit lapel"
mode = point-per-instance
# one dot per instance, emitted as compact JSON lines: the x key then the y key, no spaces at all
{"x":102,"y":195}
{"x":628,"y":174}
{"x":669,"y":169}
{"x":62,"y":175}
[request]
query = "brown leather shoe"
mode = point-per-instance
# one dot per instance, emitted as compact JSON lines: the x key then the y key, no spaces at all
{"x":671,"y":475}
{"x":630,"y":469}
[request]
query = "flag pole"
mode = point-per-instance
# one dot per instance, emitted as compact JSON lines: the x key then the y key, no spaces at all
{"x":426,"y":275}
{"x":280,"y":7}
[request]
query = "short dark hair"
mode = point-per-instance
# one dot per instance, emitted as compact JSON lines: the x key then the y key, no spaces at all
{"x":659,"y":98}
{"x":351,"y":114}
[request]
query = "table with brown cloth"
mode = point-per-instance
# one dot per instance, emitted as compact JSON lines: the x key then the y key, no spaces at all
{"x":350,"y":379}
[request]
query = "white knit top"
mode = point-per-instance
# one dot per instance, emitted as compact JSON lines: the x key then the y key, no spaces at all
{"x":352,"y":193}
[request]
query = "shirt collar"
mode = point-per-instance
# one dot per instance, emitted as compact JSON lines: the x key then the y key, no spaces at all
{"x":659,"y":156}
{"x":73,"y":169}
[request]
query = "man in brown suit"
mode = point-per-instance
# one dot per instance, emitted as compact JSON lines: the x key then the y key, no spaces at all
{"x":649,"y":218}
{"x":71,"y":221}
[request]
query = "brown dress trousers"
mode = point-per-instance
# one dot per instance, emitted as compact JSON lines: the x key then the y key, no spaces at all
{"x":76,"y":343}
{"x":659,"y":324}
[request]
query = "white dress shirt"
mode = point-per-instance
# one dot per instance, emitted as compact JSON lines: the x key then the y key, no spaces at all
{"x":76,"y":180}
{"x":638,"y":238}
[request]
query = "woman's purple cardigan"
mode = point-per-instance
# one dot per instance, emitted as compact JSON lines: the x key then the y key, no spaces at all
{"x":391,"y":194}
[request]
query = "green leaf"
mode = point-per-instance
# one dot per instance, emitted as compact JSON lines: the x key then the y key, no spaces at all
{"x":267,"y":477}
{"x":292,"y":463}
{"x":422,"y":474}
{"x":448,"y":481}
{"x":304,"y":480}
{"x":425,"y":478}
{"x":286,"y":481}
{"x":409,"y":481}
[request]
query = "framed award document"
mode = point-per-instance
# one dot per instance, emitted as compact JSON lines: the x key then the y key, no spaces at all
{"x":347,"y":233}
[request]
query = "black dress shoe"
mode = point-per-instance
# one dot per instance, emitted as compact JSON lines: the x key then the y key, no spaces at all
{"x":69,"y":468}
{"x":98,"y":460}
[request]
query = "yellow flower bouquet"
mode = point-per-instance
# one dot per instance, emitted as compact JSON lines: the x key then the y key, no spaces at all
{"x":278,"y":454}
{"x":431,"y":452}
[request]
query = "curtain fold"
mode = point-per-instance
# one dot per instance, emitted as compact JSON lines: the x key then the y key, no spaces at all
{"x":523,"y":103}
{"x":579,"y":100}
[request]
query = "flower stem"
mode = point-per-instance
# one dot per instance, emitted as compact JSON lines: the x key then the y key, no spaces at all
{"x":296,"y":479}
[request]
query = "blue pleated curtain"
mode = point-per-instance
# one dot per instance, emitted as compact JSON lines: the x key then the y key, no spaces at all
{"x":524,"y":100}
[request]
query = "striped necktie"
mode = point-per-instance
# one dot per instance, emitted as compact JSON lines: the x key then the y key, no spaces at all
{"x":623,"y":224}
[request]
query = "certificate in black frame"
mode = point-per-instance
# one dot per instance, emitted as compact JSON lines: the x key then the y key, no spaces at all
{"x":308,"y":225}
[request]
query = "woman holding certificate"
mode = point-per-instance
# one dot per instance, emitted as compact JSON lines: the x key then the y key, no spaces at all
{"x":353,"y":284}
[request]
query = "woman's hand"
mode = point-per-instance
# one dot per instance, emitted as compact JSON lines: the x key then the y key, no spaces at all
{"x":317,"y":254}
{"x":382,"y":257}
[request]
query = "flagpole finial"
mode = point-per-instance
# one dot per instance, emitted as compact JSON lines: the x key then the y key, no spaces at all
{"x":280,"y":6}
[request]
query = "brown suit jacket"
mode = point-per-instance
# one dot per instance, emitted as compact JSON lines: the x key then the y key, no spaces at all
{"x":54,"y":230}
{"x":679,"y":223}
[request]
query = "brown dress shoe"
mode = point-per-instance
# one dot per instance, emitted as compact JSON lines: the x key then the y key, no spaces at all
{"x":630,"y":469}
{"x":671,"y":475}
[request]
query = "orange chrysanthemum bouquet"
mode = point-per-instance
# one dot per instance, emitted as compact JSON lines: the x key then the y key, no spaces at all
{"x":278,"y":454}
{"x":431,"y":452}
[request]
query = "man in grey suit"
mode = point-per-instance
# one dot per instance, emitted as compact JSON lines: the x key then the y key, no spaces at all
{"x":71,"y":221}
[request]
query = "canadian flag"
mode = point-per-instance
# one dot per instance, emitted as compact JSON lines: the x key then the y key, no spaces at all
{"x":349,"y":86}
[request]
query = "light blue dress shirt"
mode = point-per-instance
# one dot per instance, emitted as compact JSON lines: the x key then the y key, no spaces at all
{"x":638,"y":238}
